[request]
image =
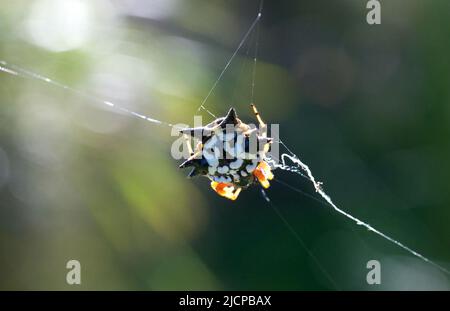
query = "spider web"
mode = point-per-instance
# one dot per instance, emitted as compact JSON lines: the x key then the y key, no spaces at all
{"x":289,"y":161}
{"x":298,"y":167}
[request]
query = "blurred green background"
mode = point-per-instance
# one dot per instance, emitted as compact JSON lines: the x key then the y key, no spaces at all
{"x":367,"y":107}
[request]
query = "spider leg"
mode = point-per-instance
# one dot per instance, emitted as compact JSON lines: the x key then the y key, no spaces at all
{"x":226,"y":190}
{"x":262,"y":130}
{"x":263,"y":173}
{"x":262,"y":125}
{"x":193,"y":159}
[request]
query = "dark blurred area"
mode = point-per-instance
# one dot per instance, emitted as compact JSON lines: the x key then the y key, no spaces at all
{"x":365,"y":106}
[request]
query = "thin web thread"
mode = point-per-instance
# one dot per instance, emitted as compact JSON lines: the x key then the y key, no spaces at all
{"x":318,"y":187}
{"x":18,"y":71}
{"x":256,"y":55}
{"x":299,"y":239}
{"x":241,"y":43}
{"x":240,"y":79}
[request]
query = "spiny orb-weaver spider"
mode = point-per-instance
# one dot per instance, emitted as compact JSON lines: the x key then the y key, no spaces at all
{"x":230,"y":153}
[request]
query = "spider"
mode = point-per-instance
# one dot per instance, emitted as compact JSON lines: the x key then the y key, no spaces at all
{"x":230,"y":153}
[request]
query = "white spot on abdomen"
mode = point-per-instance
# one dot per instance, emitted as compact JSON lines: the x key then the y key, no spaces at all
{"x":236,"y":164}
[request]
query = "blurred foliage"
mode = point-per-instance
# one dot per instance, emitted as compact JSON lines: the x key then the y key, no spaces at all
{"x":367,"y":107}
